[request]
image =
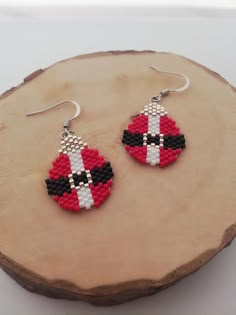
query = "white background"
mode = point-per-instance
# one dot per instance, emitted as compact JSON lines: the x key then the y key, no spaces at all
{"x":204,"y":33}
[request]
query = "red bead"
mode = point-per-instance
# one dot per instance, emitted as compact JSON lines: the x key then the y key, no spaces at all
{"x":61,"y":167}
{"x":139,"y":124}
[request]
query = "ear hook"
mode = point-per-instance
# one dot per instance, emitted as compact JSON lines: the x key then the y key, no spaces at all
{"x":168,"y":91}
{"x":67,"y":120}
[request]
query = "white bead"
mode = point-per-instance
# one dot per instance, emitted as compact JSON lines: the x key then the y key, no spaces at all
{"x":85,"y":197}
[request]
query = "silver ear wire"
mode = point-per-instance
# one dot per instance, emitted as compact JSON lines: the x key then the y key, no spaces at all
{"x":167,"y":91}
{"x":67,"y":121}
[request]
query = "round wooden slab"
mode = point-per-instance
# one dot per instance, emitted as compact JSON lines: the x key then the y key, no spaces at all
{"x":159,"y":225}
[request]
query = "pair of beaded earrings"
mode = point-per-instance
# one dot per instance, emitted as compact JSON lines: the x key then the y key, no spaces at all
{"x":81,"y":178}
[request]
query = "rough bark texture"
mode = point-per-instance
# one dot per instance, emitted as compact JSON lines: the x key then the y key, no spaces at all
{"x":158,"y":226}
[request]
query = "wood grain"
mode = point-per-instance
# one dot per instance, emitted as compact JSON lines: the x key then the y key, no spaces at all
{"x":159,"y":225}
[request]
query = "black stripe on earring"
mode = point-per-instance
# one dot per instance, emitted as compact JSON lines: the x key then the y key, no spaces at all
{"x":174,"y":142}
{"x":132,"y":139}
{"x":101,"y":174}
{"x":58,"y":186}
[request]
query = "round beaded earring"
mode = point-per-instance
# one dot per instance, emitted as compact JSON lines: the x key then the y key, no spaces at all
{"x":80,"y":177}
{"x":153,"y":137}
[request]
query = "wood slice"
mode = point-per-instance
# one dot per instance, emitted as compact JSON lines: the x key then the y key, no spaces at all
{"x":159,"y":225}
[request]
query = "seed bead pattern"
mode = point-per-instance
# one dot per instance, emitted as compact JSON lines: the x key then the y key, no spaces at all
{"x":153,"y":138}
{"x":80,"y":177}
